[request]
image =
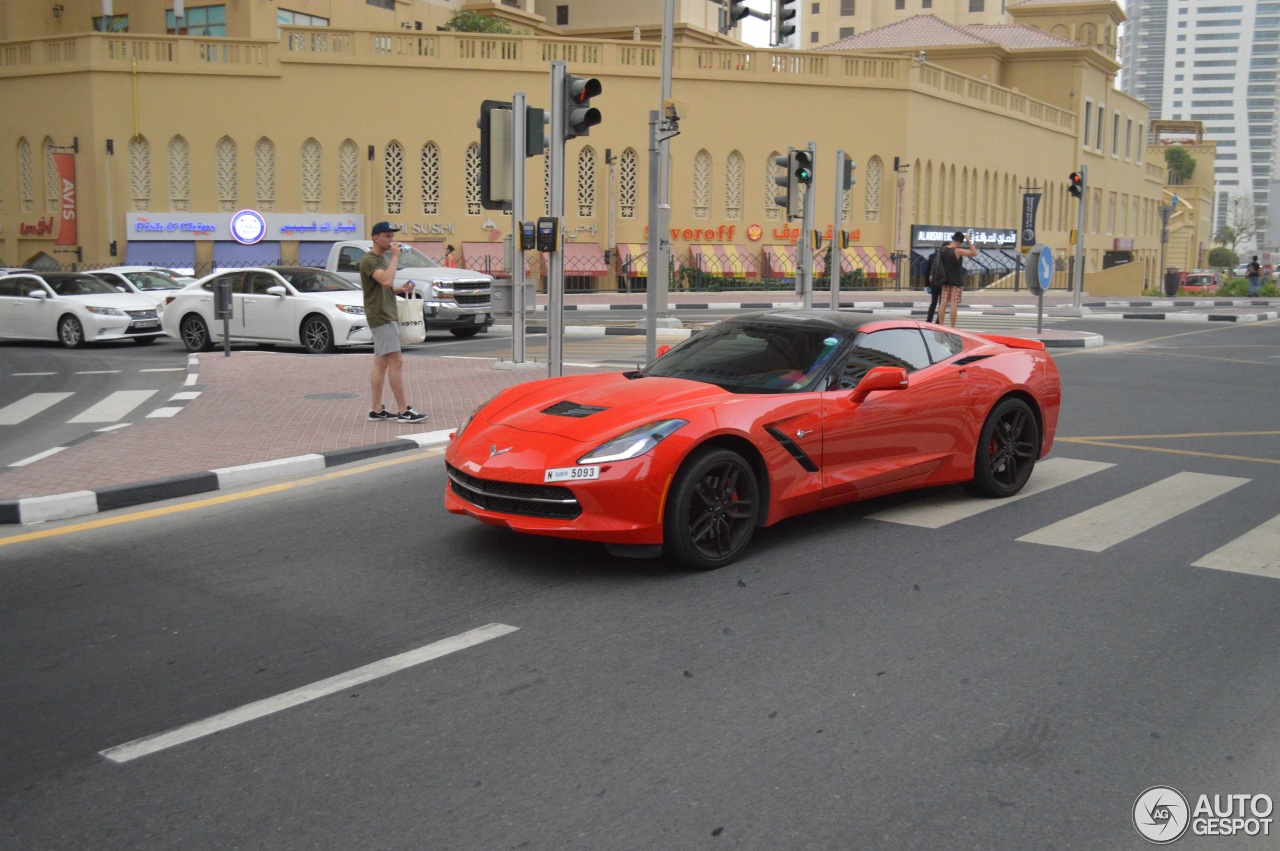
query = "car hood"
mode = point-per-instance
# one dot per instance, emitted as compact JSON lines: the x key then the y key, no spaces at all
{"x":123,"y":301}
{"x":596,"y":407}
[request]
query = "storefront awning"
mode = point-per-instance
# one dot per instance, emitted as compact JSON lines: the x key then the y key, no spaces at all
{"x":482,"y":257}
{"x":873,"y":260}
{"x":584,"y":258}
{"x":434,"y":250}
{"x":632,"y":259}
{"x":724,"y":260}
{"x":997,"y":260}
{"x":782,"y":261}
{"x":235,"y":255}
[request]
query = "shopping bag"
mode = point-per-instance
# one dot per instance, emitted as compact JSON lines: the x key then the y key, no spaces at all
{"x":412,"y":328}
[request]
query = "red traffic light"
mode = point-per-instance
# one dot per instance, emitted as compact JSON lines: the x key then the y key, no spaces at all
{"x":1075,"y":184}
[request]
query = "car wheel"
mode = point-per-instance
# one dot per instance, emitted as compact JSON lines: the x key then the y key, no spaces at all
{"x":195,"y":334}
{"x":70,"y":332}
{"x":317,"y":335}
{"x":1007,"y":450}
{"x":465,"y":332}
{"x":144,"y":341}
{"x":712,"y":510}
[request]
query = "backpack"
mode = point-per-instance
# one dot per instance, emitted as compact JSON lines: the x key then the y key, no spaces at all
{"x":937,"y":272}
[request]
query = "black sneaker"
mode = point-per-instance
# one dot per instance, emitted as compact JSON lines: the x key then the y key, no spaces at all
{"x":409,"y":415}
{"x":381,"y":416}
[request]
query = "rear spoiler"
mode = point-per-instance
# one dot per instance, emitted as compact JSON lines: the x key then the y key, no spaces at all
{"x":1014,"y":342}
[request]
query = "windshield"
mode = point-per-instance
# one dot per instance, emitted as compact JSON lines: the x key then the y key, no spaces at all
{"x":316,"y":281}
{"x":154,"y":280}
{"x":80,"y":285}
{"x":764,"y":357}
{"x":412,"y":258}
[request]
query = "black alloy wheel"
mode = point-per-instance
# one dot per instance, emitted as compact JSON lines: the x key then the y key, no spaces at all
{"x":70,"y":332}
{"x":317,"y":335}
{"x":1007,"y":450}
{"x":195,"y":334}
{"x":712,"y":510}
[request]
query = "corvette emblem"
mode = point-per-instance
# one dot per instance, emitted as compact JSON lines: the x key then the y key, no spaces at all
{"x":494,"y":450}
{"x":801,"y":432}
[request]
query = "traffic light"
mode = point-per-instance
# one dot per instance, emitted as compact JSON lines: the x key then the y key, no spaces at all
{"x":799,"y":172}
{"x":535,"y":131}
{"x":1076,"y":184}
{"x":844,"y":239}
{"x":495,"y":155}
{"x":846,"y":179}
{"x":817,"y":239}
{"x":784,"y":21}
{"x":737,"y":11}
{"x":579,"y":115}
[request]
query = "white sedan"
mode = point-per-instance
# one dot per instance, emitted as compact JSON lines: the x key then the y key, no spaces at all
{"x":73,"y":308}
{"x":155,"y":283}
{"x":285,"y":305}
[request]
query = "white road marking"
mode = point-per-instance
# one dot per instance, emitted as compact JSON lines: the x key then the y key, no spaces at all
{"x":113,"y":427}
{"x":1257,"y":552}
{"x":253,"y":711}
{"x":164,"y":412}
{"x":166,"y":369}
{"x":937,"y":511}
{"x":29,"y":406}
{"x":186,"y":394}
{"x":98,"y":372}
{"x":115,"y":406}
{"x":27,"y":374}
{"x":45,"y":454}
{"x":1132,"y":514}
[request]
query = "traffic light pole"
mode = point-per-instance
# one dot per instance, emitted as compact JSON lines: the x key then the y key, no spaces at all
{"x":1077,"y":274}
{"x":806,"y":239}
{"x":837,"y":228}
{"x":518,"y":146}
{"x":555,"y":262}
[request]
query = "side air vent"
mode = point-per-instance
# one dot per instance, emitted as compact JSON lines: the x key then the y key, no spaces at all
{"x":572,"y":409}
{"x":971,"y":359}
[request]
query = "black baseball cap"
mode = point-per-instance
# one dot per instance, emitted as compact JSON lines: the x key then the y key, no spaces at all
{"x":384,"y":227}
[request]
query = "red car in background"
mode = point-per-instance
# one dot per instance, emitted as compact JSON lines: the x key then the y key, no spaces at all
{"x":1205,"y":281}
{"x":755,"y":419}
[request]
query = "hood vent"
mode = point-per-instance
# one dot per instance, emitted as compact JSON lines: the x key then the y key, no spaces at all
{"x":572,"y":409}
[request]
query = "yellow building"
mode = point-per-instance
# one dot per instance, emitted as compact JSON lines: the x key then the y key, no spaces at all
{"x":355,"y":113}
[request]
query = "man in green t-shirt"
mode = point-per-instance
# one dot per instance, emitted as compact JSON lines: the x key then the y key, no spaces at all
{"x":378,"y":280}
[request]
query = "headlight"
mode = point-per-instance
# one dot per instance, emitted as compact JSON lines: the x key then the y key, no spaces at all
{"x":632,"y":444}
{"x":351,"y":308}
{"x":106,"y":311}
{"x":458,"y":432}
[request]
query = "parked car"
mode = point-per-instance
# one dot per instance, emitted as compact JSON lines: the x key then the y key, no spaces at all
{"x":286,"y":305}
{"x":1241,"y":270}
{"x":157,"y":284}
{"x":73,"y":308}
{"x":1204,"y":281}
{"x":751,"y":421}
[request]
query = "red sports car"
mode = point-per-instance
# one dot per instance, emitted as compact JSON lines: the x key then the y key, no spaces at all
{"x":754,"y":420}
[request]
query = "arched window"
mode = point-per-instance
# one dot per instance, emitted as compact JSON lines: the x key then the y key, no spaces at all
{"x":393,"y":178}
{"x":264,"y":174}
{"x":628,"y":180}
{"x":871,"y":196}
{"x":25,"y":182}
{"x":227,"y":178}
{"x":734,"y":167}
{"x":587,"y":182}
{"x":52,"y":182}
{"x":430,"y":179}
{"x":140,"y":172}
{"x":772,"y":212}
{"x":702,"y":185}
{"x":473,"y":179}
{"x":179,"y":175}
{"x":312,"y":185}
{"x":348,"y":176}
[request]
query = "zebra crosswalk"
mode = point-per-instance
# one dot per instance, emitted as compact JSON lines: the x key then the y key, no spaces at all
{"x":114,"y":407}
{"x":1099,"y":528}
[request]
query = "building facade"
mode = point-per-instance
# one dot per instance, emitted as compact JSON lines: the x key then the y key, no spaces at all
{"x":323,"y":129}
{"x":1219,"y":64}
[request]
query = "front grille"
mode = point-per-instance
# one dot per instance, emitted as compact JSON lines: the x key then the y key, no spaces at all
{"x":469,"y":300}
{"x":551,"y":501}
{"x":142,"y":314}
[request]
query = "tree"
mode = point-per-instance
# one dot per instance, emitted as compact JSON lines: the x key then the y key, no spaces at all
{"x":1223,"y":258}
{"x":1242,"y":224}
{"x":1180,"y":163}
{"x":464,"y":21}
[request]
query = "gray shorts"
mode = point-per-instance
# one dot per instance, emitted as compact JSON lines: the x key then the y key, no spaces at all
{"x":386,"y":338}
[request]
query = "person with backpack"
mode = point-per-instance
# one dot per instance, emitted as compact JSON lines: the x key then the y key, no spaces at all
{"x":949,"y":255}
{"x":935,"y":277}
{"x":1254,"y":276}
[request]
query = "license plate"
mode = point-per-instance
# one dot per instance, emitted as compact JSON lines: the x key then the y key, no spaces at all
{"x":146,"y":323}
{"x":572,"y":474}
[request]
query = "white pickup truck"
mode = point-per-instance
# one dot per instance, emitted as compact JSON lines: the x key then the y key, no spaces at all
{"x":456,"y":300}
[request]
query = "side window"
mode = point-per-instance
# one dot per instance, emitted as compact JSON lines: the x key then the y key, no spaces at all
{"x":259,"y":282}
{"x":349,"y":259}
{"x":236,"y":278}
{"x":9,"y":288}
{"x":942,"y":345}
{"x":902,"y":347}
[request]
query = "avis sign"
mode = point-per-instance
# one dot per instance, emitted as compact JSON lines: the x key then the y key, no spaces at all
{"x":66,"y":165}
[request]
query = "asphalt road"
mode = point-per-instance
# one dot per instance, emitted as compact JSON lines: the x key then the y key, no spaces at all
{"x":852,"y":683}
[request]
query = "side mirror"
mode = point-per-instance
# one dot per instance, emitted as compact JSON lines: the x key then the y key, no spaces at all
{"x":879,"y":378}
{"x":277,"y":290}
{"x":40,"y":294}
{"x":121,"y":288}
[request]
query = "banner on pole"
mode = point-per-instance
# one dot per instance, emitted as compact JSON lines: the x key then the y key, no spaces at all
{"x":66,"y":165}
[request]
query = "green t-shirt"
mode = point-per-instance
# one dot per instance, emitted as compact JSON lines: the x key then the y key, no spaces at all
{"x":379,"y":301}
